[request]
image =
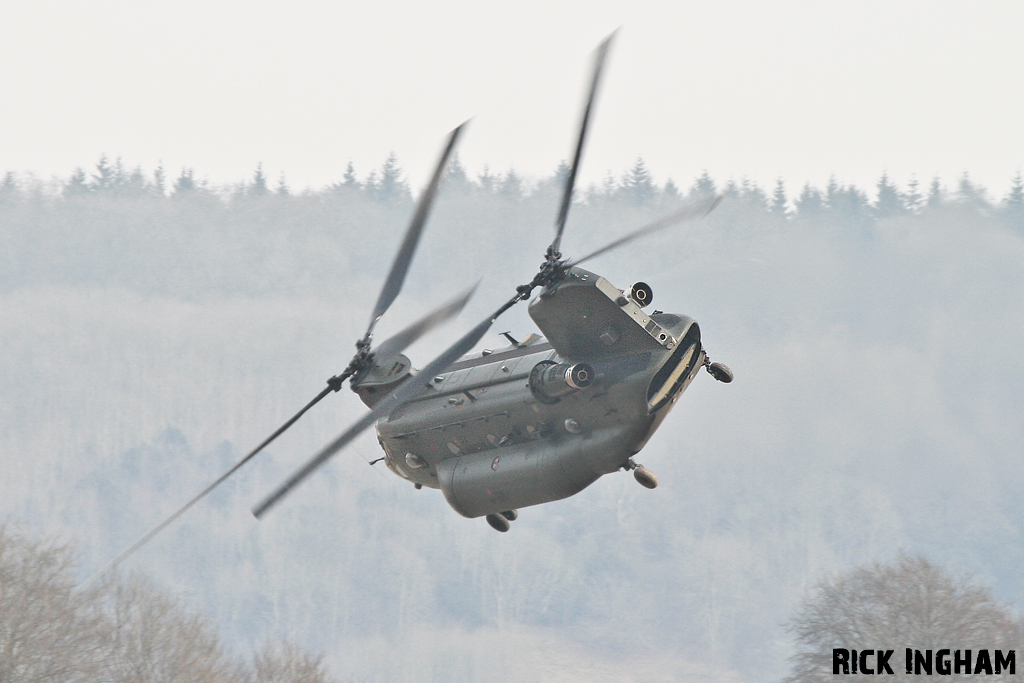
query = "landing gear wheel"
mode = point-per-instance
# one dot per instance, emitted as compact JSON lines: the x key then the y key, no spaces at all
{"x":498,"y":522}
{"x":510,"y":515}
{"x":721,"y":372}
{"x":645,"y":477}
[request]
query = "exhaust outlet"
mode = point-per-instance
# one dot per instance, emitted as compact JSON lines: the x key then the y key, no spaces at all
{"x":549,"y":381}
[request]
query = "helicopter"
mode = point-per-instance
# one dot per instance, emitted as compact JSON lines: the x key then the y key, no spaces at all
{"x":545,"y":417}
{"x":534,"y":422}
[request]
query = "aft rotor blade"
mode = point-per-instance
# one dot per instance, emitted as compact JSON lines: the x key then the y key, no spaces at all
{"x":696,"y":210}
{"x":399,"y":342}
{"x":393,"y":283}
{"x":570,"y":180}
{"x":405,"y":391}
{"x":202,"y":494}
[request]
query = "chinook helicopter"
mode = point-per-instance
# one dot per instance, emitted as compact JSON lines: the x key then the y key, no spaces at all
{"x":531,"y":423}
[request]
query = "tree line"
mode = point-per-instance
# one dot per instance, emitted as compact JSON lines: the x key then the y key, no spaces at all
{"x":126,"y":630}
{"x":636,"y":187}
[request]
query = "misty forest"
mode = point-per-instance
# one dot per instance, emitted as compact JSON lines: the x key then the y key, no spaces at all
{"x":155,"y":327}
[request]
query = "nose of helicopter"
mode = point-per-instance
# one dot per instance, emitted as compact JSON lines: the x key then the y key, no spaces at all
{"x":679,"y":367}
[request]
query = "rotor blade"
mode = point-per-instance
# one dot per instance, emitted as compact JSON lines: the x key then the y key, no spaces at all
{"x":393,"y":283}
{"x":405,"y":391}
{"x":570,"y":180}
{"x":234,"y":468}
{"x":696,"y":210}
{"x":399,"y":342}
{"x":389,"y":348}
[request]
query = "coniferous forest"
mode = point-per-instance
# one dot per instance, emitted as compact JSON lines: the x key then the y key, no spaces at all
{"x":156,"y":326}
{"x":106,"y":226}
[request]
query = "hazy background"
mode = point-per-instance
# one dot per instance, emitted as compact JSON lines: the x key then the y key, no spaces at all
{"x":154,"y":329}
{"x":798,"y":88}
{"x":150,"y":338}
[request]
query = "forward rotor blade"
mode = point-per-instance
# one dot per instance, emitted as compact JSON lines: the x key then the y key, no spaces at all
{"x":389,"y":348}
{"x":393,"y":283}
{"x":405,"y":391}
{"x":570,"y":180}
{"x":399,"y":342}
{"x":697,"y":210}
{"x":202,"y":494}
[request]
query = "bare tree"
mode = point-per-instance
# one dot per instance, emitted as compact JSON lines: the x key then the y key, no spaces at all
{"x":48,"y":631}
{"x":910,"y":603}
{"x":283,"y":662}
{"x":153,"y":638}
{"x":119,"y":631}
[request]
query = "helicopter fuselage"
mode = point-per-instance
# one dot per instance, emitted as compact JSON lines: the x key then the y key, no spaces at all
{"x":542,"y":419}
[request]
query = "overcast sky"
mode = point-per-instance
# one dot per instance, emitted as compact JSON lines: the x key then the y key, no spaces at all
{"x":795,"y":89}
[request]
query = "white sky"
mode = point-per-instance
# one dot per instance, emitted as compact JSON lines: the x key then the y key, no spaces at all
{"x":794,"y":89}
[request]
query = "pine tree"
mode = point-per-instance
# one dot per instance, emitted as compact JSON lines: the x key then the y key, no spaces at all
{"x":486,"y":180}
{"x":1013,"y":205}
{"x":1015,"y":197}
{"x":936,"y":195}
{"x":609,"y":187}
{"x":555,"y":183}
{"x":810,"y":202}
{"x":832,"y":190}
{"x":851,"y":204}
{"x":121,"y":175}
{"x":258,"y":187}
{"x":778,"y":205}
{"x":160,"y":180}
{"x":390,"y":187}
{"x":370,"y":185}
{"x":671,"y":191}
{"x":970,"y":194}
{"x":103,"y":178}
{"x":9,"y":187}
{"x":77,"y":183}
{"x":185,"y":183}
{"x":511,"y":185}
{"x":752,"y":195}
{"x":703,"y":186}
{"x":912,"y":198}
{"x":349,"y":179}
{"x":133,"y":183}
{"x":636,"y":184}
{"x":282,"y":186}
{"x":889,"y":202}
{"x":456,"y":177}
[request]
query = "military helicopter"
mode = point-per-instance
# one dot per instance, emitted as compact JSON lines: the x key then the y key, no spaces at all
{"x":536,"y":421}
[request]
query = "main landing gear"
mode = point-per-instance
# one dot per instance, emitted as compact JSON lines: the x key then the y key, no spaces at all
{"x":643,"y":475}
{"x":502,"y":521}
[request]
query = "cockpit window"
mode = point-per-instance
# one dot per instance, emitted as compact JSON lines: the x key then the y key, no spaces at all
{"x":672,"y":375}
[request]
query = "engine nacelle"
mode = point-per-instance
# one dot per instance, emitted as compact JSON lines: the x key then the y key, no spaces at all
{"x":549,"y":381}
